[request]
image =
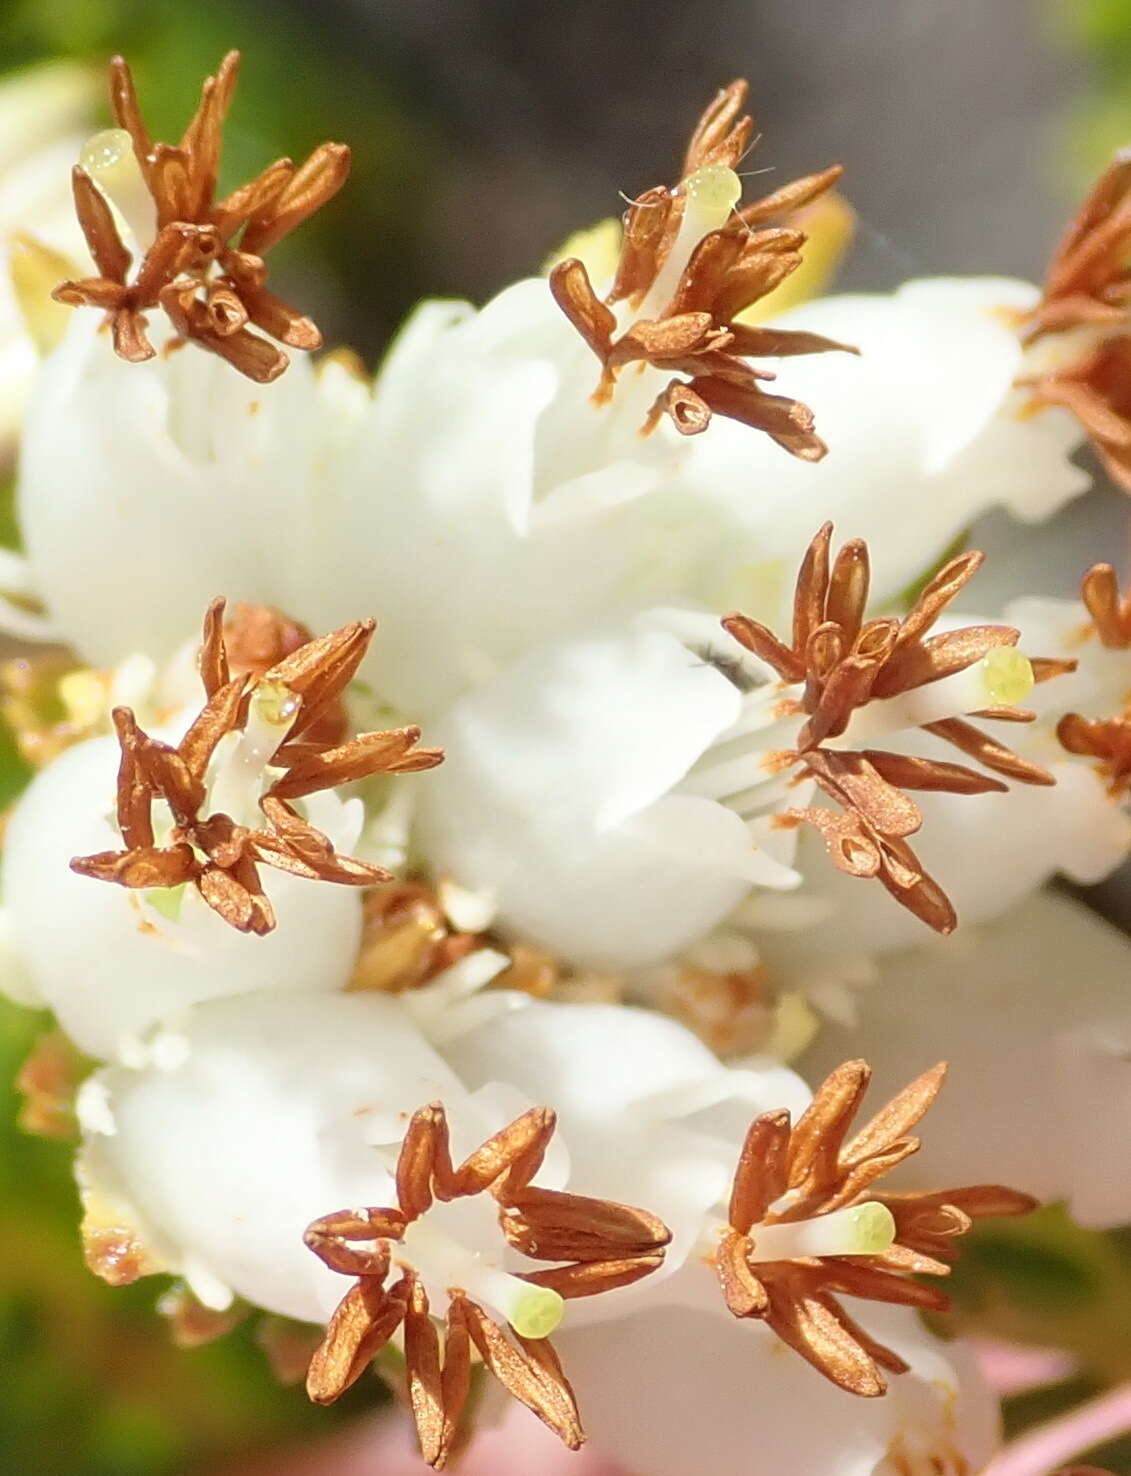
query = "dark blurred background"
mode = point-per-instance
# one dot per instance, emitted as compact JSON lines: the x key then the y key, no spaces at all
{"x":484,"y":132}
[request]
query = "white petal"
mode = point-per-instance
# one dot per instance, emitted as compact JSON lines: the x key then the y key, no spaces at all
{"x":147,"y":489}
{"x":269,"y":1120}
{"x":747,"y":1405}
{"x":649,"y":1114}
{"x":1033,"y":1013}
{"x":106,"y":961}
{"x":922,"y":427}
{"x":552,"y":799}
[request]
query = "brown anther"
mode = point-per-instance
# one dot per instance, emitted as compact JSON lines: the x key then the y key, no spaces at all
{"x":406,"y":939}
{"x":793,"y":1172}
{"x":696,"y":332}
{"x":208,"y":849}
{"x":603,"y":1246}
{"x":843,"y":662}
{"x":1110,"y":610}
{"x":1087,"y":293}
{"x":205,"y":267}
{"x":1107,"y":739}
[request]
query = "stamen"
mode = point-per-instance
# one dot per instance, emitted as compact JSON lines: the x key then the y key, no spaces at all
{"x":263,"y":741}
{"x":533,"y":1311}
{"x":691,"y":265}
{"x":198,"y":258}
{"x":852,"y":680}
{"x":800,"y":1212}
{"x":1001,"y":678}
{"x":602,"y":1245}
{"x":863,"y":1230}
{"x":710,"y":195}
{"x":109,"y":158}
{"x":1077,"y":347}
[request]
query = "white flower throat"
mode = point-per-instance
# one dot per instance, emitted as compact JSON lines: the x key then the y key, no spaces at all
{"x":710,"y":196}
{"x":242,"y":759}
{"x":743,"y":768}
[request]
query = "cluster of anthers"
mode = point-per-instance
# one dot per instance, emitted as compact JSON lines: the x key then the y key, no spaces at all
{"x":804,"y":1227}
{"x":203,"y":261}
{"x":907,"y":678}
{"x":1087,"y":295}
{"x":601,"y":1246}
{"x":690,"y":265}
{"x":1106,"y":739}
{"x":263,"y":741}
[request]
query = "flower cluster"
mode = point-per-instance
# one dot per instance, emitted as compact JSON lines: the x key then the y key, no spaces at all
{"x":513,"y":1032}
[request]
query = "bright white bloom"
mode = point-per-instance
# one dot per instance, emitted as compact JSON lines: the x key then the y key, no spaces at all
{"x":925,"y":427}
{"x":280,"y":1114}
{"x":740,"y":1407}
{"x":289,"y":1115}
{"x":637,"y":786}
{"x":41,"y":112}
{"x":329,"y":1082}
{"x":555,"y":799}
{"x":1033,"y":1013}
{"x":177,"y":478}
{"x":647,"y":1112}
{"x":616,"y":797}
{"x":175,"y":481}
{"x":490,"y":502}
{"x":110,"y":961}
{"x":487,"y":501}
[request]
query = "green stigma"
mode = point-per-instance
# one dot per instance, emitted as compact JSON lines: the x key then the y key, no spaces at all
{"x":713,"y":191}
{"x":537,"y":1312}
{"x":873,"y":1228}
{"x":1007,"y":676}
{"x":107,"y":151}
{"x":276,"y":704}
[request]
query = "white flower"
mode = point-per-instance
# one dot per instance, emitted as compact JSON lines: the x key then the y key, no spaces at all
{"x":292,"y":1119}
{"x":925,"y":428}
{"x":110,"y":962}
{"x":41,"y":111}
{"x":616,"y":797}
{"x":279,"y":1115}
{"x":555,"y":798}
{"x":1033,"y":1013}
{"x":146,"y":490}
{"x":742,"y":1408}
{"x":486,"y":500}
{"x":647,"y":1112}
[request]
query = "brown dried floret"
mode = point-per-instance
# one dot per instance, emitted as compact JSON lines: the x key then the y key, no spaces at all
{"x":48,"y":1083}
{"x":844,"y":662}
{"x":692,"y":328}
{"x":207,"y":848}
{"x":205,"y":268}
{"x":602,"y":1245}
{"x":1087,"y":294}
{"x":789,"y":1173}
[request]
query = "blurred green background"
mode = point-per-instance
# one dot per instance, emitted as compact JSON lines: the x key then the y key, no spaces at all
{"x":483,"y":132}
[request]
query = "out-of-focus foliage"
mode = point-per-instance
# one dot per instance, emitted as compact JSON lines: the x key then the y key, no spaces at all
{"x":1099,"y":31}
